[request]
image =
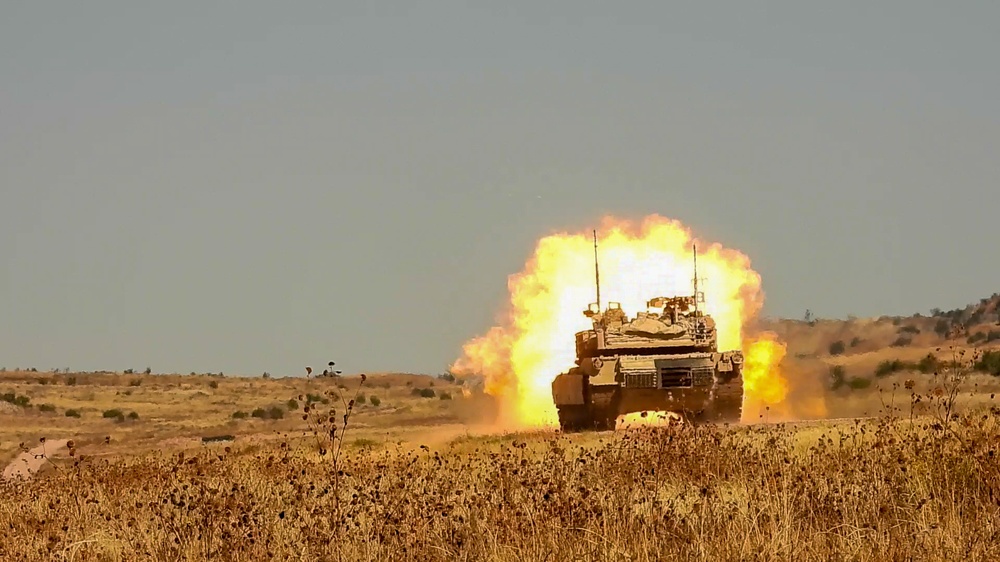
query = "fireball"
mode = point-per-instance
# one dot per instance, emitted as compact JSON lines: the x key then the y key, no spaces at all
{"x":535,"y":342}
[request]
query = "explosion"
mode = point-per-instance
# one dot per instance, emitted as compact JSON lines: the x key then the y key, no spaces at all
{"x":535,"y":341}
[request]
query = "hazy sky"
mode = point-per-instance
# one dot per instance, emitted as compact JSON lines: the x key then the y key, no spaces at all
{"x":250,"y":186}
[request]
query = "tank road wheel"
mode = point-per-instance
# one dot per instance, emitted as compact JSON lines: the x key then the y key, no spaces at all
{"x":574,"y":418}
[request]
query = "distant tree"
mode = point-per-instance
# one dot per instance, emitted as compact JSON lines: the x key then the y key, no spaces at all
{"x":941,"y":327}
{"x":809,"y":317}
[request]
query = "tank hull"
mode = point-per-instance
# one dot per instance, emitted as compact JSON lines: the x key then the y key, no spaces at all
{"x":702,"y":387}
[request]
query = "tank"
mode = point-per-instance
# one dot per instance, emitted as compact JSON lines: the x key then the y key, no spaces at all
{"x":663,"y":359}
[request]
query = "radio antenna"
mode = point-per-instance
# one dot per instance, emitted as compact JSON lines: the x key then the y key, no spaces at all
{"x":694,"y":249}
{"x":597,"y":273}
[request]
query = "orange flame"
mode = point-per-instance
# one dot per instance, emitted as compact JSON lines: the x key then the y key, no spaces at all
{"x":520,"y":358}
{"x":763,"y":383}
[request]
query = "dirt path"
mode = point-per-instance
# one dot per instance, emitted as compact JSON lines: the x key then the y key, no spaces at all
{"x":28,"y":464}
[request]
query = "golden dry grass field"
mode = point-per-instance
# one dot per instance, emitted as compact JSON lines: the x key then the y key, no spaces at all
{"x":905,"y":467}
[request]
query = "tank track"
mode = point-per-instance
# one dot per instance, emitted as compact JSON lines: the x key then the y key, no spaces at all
{"x":600,"y":414}
{"x":726,"y":405}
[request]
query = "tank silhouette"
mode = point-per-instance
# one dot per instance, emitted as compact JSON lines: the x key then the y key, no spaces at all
{"x":657,"y":361}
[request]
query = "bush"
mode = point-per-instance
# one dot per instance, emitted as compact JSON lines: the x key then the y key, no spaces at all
{"x":313,"y":398}
{"x":240,"y":415}
{"x":837,"y":347}
{"x":941,"y":327}
{"x":114,"y":414}
{"x":889,"y":367}
{"x":445,"y":396}
{"x":16,"y":399}
{"x":260,"y":413}
{"x":902,"y":341}
{"x":46,"y":408}
{"x":909,"y":329}
{"x":859,"y":383}
{"x":976,"y":338}
{"x":360,"y":399}
{"x":213,"y":384}
{"x":70,"y":381}
{"x":928,"y":364}
{"x":275,"y":413}
{"x":426,"y":393}
{"x":993,"y":336}
{"x":374,"y":401}
{"x":292,"y":405}
{"x":135,"y":382}
{"x":855,"y":341}
{"x":133,"y":416}
{"x":72,"y":413}
{"x":990,"y":363}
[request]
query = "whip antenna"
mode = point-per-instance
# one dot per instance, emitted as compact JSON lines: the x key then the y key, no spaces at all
{"x":597,"y":273}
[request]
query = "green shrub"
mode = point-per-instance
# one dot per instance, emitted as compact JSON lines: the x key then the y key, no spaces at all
{"x":928,"y":364}
{"x":70,"y":381}
{"x":375,"y":401}
{"x":135,"y":382}
{"x":909,"y":329}
{"x":133,"y":415}
{"x":72,"y":413}
{"x":275,"y":413}
{"x":976,"y":338}
{"x":902,"y":341}
{"x":260,"y":413}
{"x":855,"y":341}
{"x":445,"y":396}
{"x":240,"y":415}
{"x":837,"y":347}
{"x":941,"y":327}
{"x":361,"y":398}
{"x":427,"y":393}
{"x":990,"y":363}
{"x":46,"y":408}
{"x":213,"y":384}
{"x":889,"y":367}
{"x":859,"y":383}
{"x":292,"y":405}
{"x":114,"y":414}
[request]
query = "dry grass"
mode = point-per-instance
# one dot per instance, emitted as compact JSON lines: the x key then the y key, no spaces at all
{"x":409,"y":479}
{"x":887,"y":489}
{"x":177,"y":410}
{"x":919,"y":483}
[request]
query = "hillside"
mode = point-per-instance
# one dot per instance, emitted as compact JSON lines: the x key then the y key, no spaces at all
{"x":844,"y":364}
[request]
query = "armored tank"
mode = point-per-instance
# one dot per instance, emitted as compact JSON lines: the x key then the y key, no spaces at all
{"x":665,"y":360}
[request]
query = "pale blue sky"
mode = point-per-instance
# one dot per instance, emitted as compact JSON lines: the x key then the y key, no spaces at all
{"x":250,"y":186}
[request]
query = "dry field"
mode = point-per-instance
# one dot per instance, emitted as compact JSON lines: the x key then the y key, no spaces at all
{"x":409,"y":479}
